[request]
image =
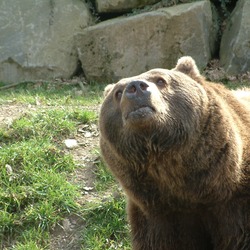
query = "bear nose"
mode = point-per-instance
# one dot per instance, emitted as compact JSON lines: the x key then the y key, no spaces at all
{"x":136,"y":88}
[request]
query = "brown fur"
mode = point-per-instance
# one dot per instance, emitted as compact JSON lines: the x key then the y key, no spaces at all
{"x":180,"y":147}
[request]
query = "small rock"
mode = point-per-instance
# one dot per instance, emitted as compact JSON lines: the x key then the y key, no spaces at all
{"x":88,"y":134}
{"x":71,"y":143}
{"x":88,"y":188}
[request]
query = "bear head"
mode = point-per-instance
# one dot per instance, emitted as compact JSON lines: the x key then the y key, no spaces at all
{"x":160,"y":108}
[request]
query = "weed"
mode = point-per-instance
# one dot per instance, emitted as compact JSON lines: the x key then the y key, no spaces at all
{"x":83,"y":116}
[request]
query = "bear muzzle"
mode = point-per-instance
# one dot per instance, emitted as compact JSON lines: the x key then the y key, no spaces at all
{"x":136,"y":102}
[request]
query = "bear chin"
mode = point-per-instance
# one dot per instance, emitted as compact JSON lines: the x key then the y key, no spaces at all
{"x":140,"y":114}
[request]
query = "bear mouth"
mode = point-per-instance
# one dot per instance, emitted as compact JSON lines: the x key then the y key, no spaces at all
{"x":141,"y":113}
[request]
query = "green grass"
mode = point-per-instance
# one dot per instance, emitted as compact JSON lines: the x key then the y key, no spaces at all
{"x":49,"y":123}
{"x":104,"y":179}
{"x":106,"y":220}
{"x":107,"y":227}
{"x":52,"y":94}
{"x":236,"y":85}
{"x":35,"y":191}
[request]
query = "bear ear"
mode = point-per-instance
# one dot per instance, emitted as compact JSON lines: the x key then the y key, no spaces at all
{"x":187,"y":65}
{"x":107,"y":89}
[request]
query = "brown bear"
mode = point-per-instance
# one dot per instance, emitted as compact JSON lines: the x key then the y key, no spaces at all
{"x":180,"y":148}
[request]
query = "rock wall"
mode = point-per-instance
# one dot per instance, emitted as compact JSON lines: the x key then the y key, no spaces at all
{"x":57,"y":38}
{"x":36,"y":38}
{"x":235,"y":43}
{"x":130,"y":45}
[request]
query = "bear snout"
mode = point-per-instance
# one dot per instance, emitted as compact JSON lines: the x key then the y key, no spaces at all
{"x":140,"y":101}
{"x":137,"y":88}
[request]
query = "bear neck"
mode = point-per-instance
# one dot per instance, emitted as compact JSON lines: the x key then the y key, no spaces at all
{"x":189,"y":174}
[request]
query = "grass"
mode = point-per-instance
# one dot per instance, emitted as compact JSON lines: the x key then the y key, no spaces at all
{"x":112,"y":230}
{"x":35,"y":193}
{"x":52,"y":124}
{"x":53,"y":94}
{"x":233,"y":85}
{"x":104,"y":179}
{"x":107,"y":226}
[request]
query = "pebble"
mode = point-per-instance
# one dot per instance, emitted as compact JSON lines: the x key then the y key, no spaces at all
{"x":71,"y":143}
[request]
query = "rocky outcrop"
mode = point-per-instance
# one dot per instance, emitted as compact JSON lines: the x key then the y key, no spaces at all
{"x":36,"y":38}
{"x":107,"y":6}
{"x":54,"y":38}
{"x":127,"y":46}
{"x":235,"y":44}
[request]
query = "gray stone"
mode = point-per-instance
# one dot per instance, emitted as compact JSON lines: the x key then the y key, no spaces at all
{"x":105,"y":6}
{"x":128,"y":46}
{"x":36,"y":38}
{"x":235,"y":44}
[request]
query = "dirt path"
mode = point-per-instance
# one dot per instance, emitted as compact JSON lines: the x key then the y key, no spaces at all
{"x":67,"y":235}
{"x":10,"y":112}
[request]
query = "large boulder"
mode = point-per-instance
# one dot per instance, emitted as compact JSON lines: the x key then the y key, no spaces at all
{"x":36,"y":38}
{"x":106,"y":6}
{"x":127,"y":46}
{"x":235,"y":44}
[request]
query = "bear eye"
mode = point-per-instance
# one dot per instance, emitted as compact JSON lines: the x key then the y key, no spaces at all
{"x":118,"y":95}
{"x":160,"y":81}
